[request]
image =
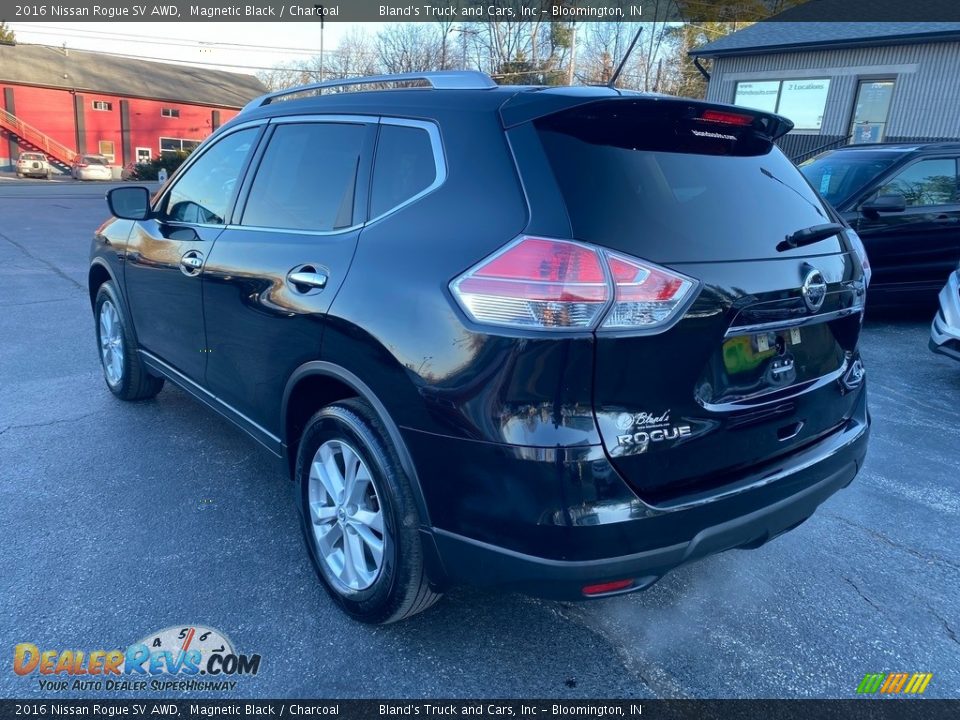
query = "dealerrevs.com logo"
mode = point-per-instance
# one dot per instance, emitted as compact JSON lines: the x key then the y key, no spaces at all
{"x":894,"y":683}
{"x":178,"y":658}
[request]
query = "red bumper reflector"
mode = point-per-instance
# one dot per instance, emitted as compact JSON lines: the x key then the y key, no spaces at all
{"x":607,"y":587}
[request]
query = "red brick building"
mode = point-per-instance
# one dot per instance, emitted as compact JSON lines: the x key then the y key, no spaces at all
{"x":64,"y":102}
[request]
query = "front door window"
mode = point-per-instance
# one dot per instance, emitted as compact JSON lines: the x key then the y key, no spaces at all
{"x":926,"y":183}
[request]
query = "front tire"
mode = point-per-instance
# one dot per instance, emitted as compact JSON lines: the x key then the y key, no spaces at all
{"x":359,"y":517}
{"x":123,"y":370}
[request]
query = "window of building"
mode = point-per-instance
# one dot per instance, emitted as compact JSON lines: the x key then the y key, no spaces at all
{"x":169,"y":146}
{"x":202,"y":194}
{"x":869,"y":122}
{"x":307,"y":179}
{"x":927,"y":182}
{"x":758,"y":95}
{"x":170,"y":112}
{"x":802,"y":101}
{"x":106,"y":149}
{"x":102,"y":105}
{"x":404,"y":166}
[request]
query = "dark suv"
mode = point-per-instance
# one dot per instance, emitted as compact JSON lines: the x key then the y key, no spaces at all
{"x":904,"y":201}
{"x":558,"y":339}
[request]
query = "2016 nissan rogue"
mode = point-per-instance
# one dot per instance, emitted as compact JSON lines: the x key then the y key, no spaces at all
{"x":558,"y":339}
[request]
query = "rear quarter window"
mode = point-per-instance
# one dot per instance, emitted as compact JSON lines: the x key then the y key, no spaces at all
{"x":404,"y":167}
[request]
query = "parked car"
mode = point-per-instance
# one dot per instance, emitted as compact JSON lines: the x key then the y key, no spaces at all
{"x":91,"y":167}
{"x":902,"y":199}
{"x":33,"y":164}
{"x":556,"y":339}
{"x":945,"y":331}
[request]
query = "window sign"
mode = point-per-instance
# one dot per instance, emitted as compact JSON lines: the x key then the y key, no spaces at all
{"x":758,"y":95}
{"x":869,"y":123}
{"x":802,"y":101}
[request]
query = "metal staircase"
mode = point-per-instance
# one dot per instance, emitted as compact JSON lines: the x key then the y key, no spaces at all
{"x":59,"y":153}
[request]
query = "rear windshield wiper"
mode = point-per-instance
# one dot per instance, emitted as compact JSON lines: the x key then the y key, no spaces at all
{"x":809,"y":235}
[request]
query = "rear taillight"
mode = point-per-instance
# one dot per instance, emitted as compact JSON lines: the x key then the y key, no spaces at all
{"x":536,"y":283}
{"x":861,"y":252}
{"x":546,"y":284}
{"x":647,"y":296}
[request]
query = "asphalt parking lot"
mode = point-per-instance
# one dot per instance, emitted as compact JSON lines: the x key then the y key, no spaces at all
{"x":122,"y":519}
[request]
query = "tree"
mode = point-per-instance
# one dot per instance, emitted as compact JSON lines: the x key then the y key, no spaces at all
{"x":410,"y":47}
{"x":6,"y":34}
{"x":725,"y":17}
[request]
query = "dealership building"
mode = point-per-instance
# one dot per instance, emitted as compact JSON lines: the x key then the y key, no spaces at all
{"x":64,"y":102}
{"x":843,"y":82}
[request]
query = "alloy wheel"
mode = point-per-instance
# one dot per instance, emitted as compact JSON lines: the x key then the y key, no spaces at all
{"x":346,"y":515}
{"x":111,"y":342}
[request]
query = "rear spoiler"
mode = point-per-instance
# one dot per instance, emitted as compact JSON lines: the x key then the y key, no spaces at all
{"x":526,"y":106}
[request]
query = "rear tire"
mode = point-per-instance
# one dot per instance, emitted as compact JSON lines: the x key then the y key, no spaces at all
{"x":363,"y":536}
{"x":123,"y":370}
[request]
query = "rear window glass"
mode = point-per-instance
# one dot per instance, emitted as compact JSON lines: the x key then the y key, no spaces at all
{"x":307,"y":179}
{"x":679,"y":206}
{"x":94,"y":160}
{"x":404,"y":167}
{"x":32,"y":156}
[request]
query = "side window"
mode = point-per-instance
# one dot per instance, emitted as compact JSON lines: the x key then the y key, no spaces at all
{"x":928,"y":182}
{"x":307,"y":179}
{"x":202,"y":194}
{"x":404,"y":166}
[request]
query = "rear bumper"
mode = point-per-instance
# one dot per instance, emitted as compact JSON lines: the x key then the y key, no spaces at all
{"x":945,"y":330}
{"x":769,"y":504}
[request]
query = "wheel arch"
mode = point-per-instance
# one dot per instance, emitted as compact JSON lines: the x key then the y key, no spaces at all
{"x":97,"y":275}
{"x":337,"y":383}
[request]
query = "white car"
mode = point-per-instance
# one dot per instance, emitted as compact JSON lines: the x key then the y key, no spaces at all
{"x":33,"y":164}
{"x":91,"y":167}
{"x":945,"y":331}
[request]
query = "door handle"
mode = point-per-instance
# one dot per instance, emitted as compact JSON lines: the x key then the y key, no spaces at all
{"x":307,"y":279}
{"x":191,"y":263}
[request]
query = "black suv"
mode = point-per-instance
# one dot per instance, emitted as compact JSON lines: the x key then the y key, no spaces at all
{"x":904,"y":201}
{"x":558,"y":339}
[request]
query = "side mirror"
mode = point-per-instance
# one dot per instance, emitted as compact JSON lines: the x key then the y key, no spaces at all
{"x":129,"y":203}
{"x":894,"y":202}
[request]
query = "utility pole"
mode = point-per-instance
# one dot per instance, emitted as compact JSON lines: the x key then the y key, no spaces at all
{"x":320,"y":8}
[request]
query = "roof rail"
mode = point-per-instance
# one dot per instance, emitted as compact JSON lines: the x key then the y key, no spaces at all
{"x":439,"y":80}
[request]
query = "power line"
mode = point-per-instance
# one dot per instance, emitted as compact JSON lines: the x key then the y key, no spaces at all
{"x":176,"y":42}
{"x":187,"y":63}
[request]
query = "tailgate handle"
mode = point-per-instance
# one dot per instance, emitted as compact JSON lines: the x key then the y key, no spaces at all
{"x":788,"y":432}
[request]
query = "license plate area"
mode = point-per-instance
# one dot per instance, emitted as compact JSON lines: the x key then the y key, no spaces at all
{"x":757,"y":363}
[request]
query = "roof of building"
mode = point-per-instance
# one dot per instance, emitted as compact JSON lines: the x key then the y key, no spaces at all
{"x":82,"y":70}
{"x":777,"y":37}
